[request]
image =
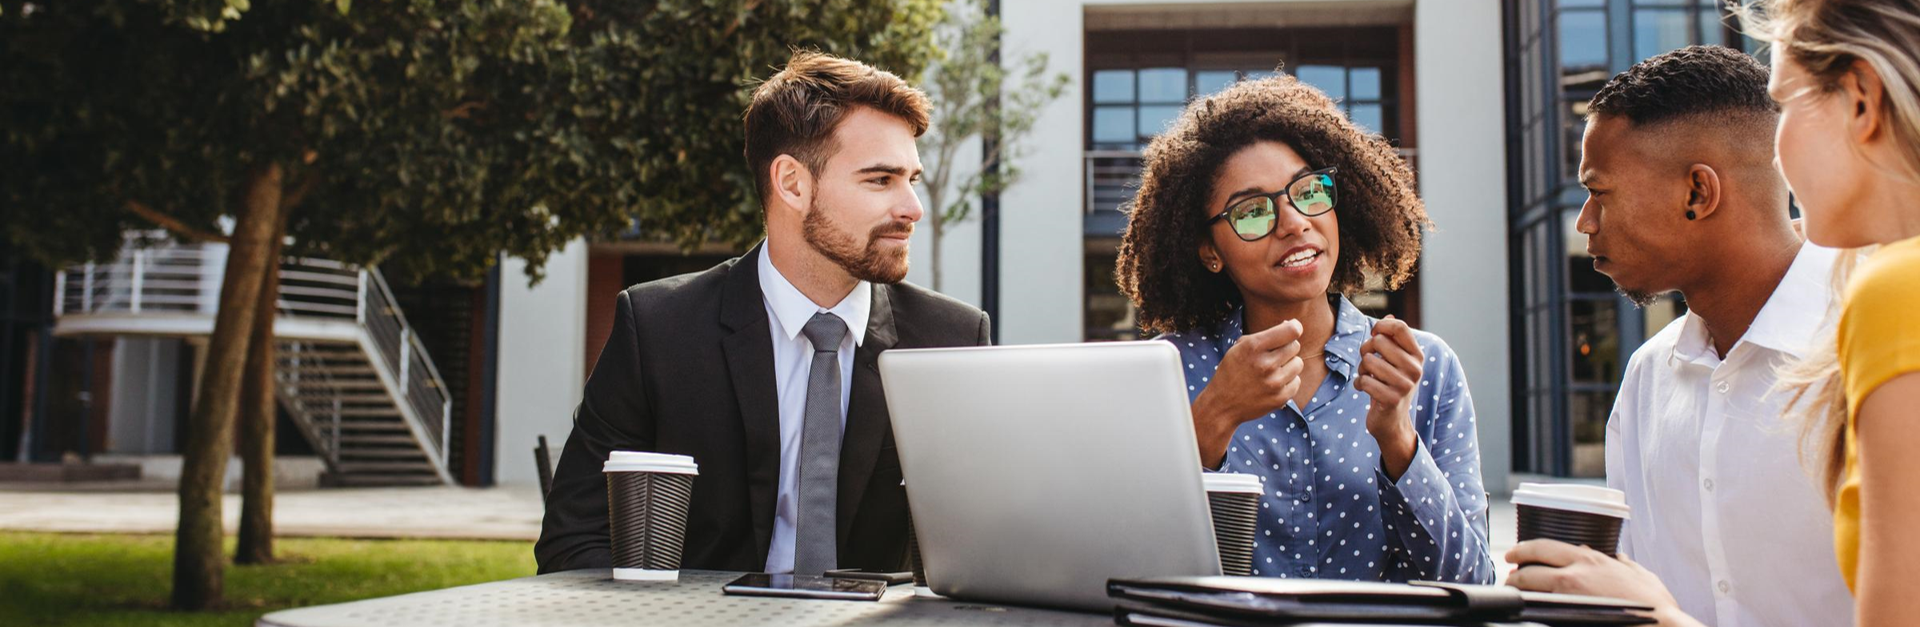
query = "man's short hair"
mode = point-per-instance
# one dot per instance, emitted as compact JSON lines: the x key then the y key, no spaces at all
{"x":1689,"y":82}
{"x":796,"y":110}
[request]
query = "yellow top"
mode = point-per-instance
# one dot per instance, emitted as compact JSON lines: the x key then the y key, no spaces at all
{"x":1878,"y":341}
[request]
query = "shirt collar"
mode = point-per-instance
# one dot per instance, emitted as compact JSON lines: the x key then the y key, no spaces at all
{"x":792,"y":309}
{"x":1351,"y":328}
{"x":1787,"y":323}
{"x":1693,"y":346}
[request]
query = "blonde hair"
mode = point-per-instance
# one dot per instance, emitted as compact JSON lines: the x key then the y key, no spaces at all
{"x":1815,"y":378}
{"x":1827,"y":38}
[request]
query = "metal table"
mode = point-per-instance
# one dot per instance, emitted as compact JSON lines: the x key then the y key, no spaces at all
{"x":592,"y":597}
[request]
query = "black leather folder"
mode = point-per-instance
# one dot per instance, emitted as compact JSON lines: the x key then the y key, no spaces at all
{"x":1264,"y":601}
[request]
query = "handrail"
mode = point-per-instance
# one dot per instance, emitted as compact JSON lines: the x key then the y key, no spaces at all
{"x":426,"y":403}
{"x":185,"y":278}
{"x":330,"y":443}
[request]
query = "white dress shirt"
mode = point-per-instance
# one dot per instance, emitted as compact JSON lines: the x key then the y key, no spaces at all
{"x":1723,"y":511}
{"x":788,"y":311}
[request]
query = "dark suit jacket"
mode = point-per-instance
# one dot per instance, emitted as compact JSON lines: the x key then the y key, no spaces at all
{"x":689,"y":370}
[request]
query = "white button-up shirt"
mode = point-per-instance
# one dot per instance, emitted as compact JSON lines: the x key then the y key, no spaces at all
{"x":1723,"y":511}
{"x":788,"y":311}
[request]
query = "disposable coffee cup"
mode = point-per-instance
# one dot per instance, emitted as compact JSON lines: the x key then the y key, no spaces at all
{"x":1234,"y":501}
{"x":1575,"y":514}
{"x":915,"y":562}
{"x":648,"y":495}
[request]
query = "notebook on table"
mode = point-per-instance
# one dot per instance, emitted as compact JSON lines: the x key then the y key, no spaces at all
{"x":1238,"y":601}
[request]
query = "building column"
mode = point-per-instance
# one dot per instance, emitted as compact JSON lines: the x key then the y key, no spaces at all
{"x":542,"y":339}
{"x":1042,"y":218}
{"x":1462,"y":161}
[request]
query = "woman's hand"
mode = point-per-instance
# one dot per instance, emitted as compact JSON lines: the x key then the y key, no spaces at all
{"x":1390,"y":371}
{"x":1258,"y":373}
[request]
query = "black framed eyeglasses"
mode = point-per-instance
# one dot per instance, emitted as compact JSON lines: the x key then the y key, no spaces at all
{"x":1310,"y":193}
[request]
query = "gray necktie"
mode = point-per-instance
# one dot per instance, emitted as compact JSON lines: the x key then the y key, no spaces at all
{"x":814,"y":546}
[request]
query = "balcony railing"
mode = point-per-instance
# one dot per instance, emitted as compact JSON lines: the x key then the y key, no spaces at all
{"x":1112,"y":178}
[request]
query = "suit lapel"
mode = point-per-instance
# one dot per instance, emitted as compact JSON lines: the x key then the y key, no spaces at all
{"x":749,"y":352}
{"x":867,"y":421}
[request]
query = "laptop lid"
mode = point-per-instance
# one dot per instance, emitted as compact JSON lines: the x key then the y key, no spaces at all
{"x":1037,"y":473}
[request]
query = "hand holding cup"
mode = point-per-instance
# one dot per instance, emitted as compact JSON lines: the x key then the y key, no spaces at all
{"x":1553,"y":566}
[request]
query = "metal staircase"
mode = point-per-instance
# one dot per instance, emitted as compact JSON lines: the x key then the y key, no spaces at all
{"x":351,"y":372}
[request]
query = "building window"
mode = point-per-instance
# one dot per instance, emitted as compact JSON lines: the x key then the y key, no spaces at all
{"x":1359,"y":90}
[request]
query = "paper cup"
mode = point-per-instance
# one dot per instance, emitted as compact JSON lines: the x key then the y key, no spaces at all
{"x":1572,"y":513}
{"x":648,"y":496}
{"x":1234,"y":501}
{"x":914,"y":561}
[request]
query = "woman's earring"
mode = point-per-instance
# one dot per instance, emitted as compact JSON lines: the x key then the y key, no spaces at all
{"x":1215,"y":267}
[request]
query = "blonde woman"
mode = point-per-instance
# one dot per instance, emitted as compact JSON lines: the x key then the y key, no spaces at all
{"x":1847,"y":76}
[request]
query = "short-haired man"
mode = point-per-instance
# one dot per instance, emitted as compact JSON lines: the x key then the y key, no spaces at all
{"x":762,"y":368}
{"x":1678,"y":162}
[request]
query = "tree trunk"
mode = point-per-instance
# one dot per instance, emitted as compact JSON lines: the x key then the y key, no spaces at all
{"x":934,"y":249}
{"x":934,"y":198}
{"x":258,"y":411}
{"x":198,"y":565}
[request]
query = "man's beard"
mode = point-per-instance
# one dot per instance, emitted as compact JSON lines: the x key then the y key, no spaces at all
{"x":868,"y":263}
{"x":1639,"y":299}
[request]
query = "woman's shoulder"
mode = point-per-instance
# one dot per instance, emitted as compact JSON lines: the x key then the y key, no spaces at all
{"x":1432,"y":344}
{"x":1187,"y":339}
{"x":1887,"y":283}
{"x":1203,"y":337}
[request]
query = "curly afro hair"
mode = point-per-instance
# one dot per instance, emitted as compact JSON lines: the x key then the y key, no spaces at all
{"x":1381,"y":218}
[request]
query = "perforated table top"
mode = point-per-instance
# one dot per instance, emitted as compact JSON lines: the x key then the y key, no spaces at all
{"x":592,"y":597}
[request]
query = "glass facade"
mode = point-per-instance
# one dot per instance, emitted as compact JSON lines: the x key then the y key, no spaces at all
{"x":1571,"y":333}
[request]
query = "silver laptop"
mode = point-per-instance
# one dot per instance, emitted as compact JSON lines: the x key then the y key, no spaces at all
{"x":1037,"y":473}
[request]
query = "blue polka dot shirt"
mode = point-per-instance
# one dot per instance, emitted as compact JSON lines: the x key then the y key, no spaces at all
{"x":1328,"y":509}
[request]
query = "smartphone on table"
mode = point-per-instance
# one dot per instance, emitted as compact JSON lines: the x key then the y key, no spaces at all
{"x":805,"y":587}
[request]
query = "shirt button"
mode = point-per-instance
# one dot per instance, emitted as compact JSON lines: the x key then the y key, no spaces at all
{"x":1723,"y":387}
{"x":1709,"y":484}
{"x":1724,"y":587}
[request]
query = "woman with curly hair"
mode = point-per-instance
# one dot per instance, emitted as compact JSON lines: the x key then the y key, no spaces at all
{"x":1259,"y":211}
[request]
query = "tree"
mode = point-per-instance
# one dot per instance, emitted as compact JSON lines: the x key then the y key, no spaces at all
{"x":974,"y":95}
{"x":426,"y":136}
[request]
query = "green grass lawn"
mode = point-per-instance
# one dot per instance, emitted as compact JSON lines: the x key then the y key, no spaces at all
{"x":74,"y":579}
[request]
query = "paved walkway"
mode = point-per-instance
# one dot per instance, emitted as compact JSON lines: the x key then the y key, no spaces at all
{"x":430,"y":512}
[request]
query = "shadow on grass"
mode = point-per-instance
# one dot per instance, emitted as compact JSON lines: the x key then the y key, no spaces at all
{"x":84,"y":579}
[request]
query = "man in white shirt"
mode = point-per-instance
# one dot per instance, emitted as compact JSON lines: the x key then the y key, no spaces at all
{"x":763,"y":368}
{"x":1684,"y":197}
